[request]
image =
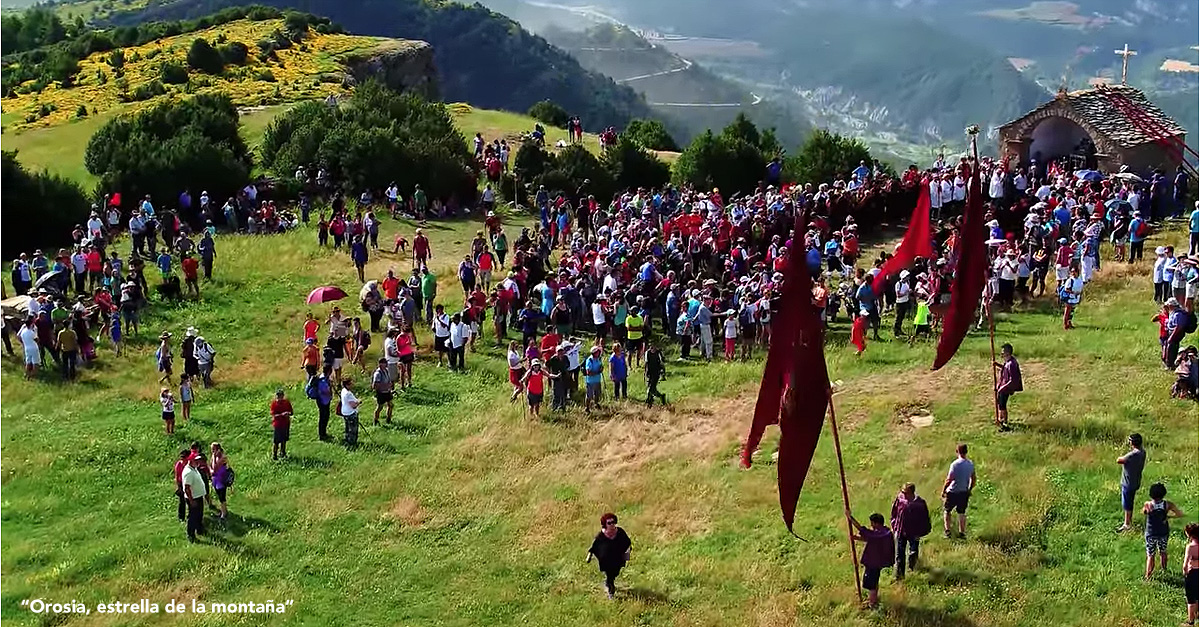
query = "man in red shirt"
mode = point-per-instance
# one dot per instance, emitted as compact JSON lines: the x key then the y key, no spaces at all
{"x":391,"y":286}
{"x":421,"y":251}
{"x":95,"y":267}
{"x":281,"y":422}
{"x":191,"y":269}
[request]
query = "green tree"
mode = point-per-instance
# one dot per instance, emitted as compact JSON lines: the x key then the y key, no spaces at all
{"x":204,"y":58}
{"x":378,"y":137}
{"x":632,"y":167}
{"x":38,"y":207}
{"x":651,"y":135}
{"x":234,"y":53}
{"x":60,"y":66}
{"x":741,"y":128}
{"x":576,"y":169}
{"x":191,"y":143}
{"x":728,"y":162}
{"x":548,"y":112}
{"x":825,"y":156}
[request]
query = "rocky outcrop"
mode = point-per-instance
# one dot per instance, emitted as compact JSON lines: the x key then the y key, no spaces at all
{"x":400,"y":64}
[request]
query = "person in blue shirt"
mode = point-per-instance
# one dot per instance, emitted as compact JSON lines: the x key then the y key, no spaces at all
{"x":774,"y":170}
{"x":593,"y":375}
{"x":862,"y":171}
{"x":164,"y":265}
{"x":147,"y":207}
{"x":1063,"y":215}
{"x":672,"y":307}
{"x":866,"y":302}
{"x":684,"y":331}
{"x":358,"y":253}
{"x":618,"y":371}
{"x":1138,"y":230}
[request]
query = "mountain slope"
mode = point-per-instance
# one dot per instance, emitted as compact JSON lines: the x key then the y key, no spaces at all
{"x":482,"y":57}
{"x":692,"y":96}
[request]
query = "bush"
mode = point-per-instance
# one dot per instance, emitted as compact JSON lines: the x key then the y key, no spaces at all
{"x":81,"y":112}
{"x":203,"y":57}
{"x":117,"y":59}
{"x":173,"y":73}
{"x":548,"y":112}
{"x":825,"y":156}
{"x":147,"y":91}
{"x":38,"y":208}
{"x":632,"y":167}
{"x":234,"y":53}
{"x":651,"y":135}
{"x":189,"y":143}
{"x":265,"y":75}
{"x":377,"y":137}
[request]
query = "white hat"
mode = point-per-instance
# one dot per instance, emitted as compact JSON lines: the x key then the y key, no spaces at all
{"x":903,"y":274}
{"x":191,"y":332}
{"x":1160,"y":250}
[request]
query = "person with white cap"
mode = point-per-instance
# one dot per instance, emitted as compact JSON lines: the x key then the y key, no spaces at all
{"x":1157,"y":274}
{"x":535,"y":386}
{"x":903,"y":302}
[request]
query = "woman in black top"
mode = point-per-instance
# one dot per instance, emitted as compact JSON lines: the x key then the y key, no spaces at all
{"x":611,"y":549}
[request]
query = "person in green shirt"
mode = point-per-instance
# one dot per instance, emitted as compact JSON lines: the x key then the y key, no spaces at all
{"x":500,"y":243}
{"x":922,"y":322}
{"x":60,"y":313}
{"x":428,"y":291}
{"x":635,"y":344}
{"x":421,"y":202}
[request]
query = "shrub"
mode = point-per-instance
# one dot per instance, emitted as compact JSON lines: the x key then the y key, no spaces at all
{"x":203,"y":57}
{"x":147,"y":91}
{"x":38,"y":207}
{"x":234,"y":53}
{"x":548,"y":112}
{"x":173,"y":73}
{"x":188,"y":143}
{"x":265,"y":75}
{"x":651,"y":135}
{"x":82,"y":111}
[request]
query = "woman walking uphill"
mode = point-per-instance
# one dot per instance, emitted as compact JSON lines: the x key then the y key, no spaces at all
{"x":611,"y":548}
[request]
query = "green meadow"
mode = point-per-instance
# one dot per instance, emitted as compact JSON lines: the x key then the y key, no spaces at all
{"x":465,"y":511}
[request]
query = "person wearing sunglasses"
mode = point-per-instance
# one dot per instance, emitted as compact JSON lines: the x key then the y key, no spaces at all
{"x":611,"y":548}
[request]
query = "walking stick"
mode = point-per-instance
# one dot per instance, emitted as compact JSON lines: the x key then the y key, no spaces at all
{"x":837,"y":445}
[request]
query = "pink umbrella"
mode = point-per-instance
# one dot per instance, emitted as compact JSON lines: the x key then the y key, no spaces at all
{"x":325,"y":295}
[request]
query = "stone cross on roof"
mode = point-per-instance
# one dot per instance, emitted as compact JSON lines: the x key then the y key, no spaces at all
{"x":1125,"y":54}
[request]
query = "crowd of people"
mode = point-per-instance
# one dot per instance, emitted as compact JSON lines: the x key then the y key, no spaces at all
{"x":597,"y":290}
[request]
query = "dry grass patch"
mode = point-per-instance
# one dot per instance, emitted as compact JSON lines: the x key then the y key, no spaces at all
{"x":407,"y":511}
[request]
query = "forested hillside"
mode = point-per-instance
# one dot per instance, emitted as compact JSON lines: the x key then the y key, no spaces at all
{"x":482,"y":57}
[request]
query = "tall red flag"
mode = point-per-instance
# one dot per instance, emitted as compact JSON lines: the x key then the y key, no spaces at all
{"x":803,"y":411}
{"x":969,"y":276}
{"x":917,"y":242}
{"x":796,"y":360}
{"x":784,"y":331}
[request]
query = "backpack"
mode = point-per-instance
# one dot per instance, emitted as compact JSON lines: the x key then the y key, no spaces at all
{"x":229,"y":475}
{"x":1189,"y":325}
{"x":310,"y":388}
{"x":1143,"y":229}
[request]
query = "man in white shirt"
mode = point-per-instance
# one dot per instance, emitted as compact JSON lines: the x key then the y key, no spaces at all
{"x":599,"y":318}
{"x":94,"y":226}
{"x":348,"y":409}
{"x":460,"y":334}
{"x":903,"y":298}
{"x":996,"y":187}
{"x":194,"y":491}
{"x":935,"y":195}
{"x":1020,"y":183}
{"x":441,"y":332}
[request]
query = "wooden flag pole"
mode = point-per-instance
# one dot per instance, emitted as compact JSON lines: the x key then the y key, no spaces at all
{"x":995,"y":375}
{"x":837,"y":446}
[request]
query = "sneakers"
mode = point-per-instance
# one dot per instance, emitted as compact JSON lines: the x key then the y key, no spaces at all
{"x":946,"y":534}
{"x":1122,"y":528}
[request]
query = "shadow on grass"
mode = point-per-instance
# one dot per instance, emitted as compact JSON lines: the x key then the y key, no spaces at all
{"x":308,"y":463}
{"x":954,"y":577}
{"x":406,"y":428}
{"x":237,"y":525}
{"x":911,"y":616}
{"x":422,"y":396}
{"x":648,"y":596}
{"x":1073,"y":432}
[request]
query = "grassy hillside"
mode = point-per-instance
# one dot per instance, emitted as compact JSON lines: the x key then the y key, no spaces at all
{"x":311,"y":69}
{"x":59,"y":148}
{"x":468,"y":41}
{"x":464,"y":512}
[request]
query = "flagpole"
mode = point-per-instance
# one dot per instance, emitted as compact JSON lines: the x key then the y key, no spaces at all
{"x":995,"y":380}
{"x":837,"y":446}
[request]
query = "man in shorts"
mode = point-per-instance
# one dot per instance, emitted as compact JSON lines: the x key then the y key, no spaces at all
{"x":593,"y":375}
{"x":384,"y":385}
{"x":440,"y":324}
{"x":956,"y":491}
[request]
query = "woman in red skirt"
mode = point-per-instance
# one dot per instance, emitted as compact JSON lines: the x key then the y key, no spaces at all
{"x":516,"y":369}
